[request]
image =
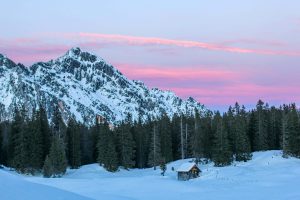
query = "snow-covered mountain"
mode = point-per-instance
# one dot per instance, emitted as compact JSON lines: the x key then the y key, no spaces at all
{"x":83,"y":85}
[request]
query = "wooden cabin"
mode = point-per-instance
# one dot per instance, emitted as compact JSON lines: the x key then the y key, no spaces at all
{"x":188,"y":171}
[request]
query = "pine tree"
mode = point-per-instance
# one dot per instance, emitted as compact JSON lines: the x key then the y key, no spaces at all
{"x":182,"y":138}
{"x":208,"y":135}
{"x":45,"y":130}
{"x":126,"y":144}
{"x":141,"y":140}
{"x":229,"y":123}
{"x":222,"y":155}
{"x":20,"y":142}
{"x":94,"y":138}
{"x":155,"y":149}
{"x":252,"y":129}
{"x":48,"y":170}
{"x":13,"y":137}
{"x":58,"y":125}
{"x":275,"y":128}
{"x":107,"y":155}
{"x":36,"y":143}
{"x":197,"y":138}
{"x":242,"y":145}
{"x":103,"y":137}
{"x":86,"y":144}
{"x":285,"y":132}
{"x":111,"y":162}
{"x":261,"y":128}
{"x":73,"y":144}
{"x":56,"y":163}
{"x":293,"y":132}
{"x":175,"y":129}
{"x":166,"y":138}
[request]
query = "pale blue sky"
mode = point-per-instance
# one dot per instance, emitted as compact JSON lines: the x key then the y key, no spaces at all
{"x":35,"y":30}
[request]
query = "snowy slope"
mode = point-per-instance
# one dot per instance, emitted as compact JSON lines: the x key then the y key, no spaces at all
{"x":85,"y":86}
{"x":13,"y":187}
{"x":267,"y":176}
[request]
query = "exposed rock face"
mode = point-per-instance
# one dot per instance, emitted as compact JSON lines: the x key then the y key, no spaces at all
{"x":84,"y":85}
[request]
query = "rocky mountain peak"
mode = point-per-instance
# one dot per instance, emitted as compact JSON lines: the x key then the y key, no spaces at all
{"x":85,"y":86}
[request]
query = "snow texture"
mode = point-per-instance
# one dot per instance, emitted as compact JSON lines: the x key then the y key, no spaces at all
{"x":185,"y":167}
{"x":266,"y":176}
{"x":85,"y":86}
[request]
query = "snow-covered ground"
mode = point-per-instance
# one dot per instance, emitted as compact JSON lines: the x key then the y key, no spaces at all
{"x":266,"y":176}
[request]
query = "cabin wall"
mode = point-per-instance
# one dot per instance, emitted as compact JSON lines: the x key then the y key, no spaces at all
{"x":183,"y":176}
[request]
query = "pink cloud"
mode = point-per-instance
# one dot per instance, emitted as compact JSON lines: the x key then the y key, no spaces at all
{"x":177,"y":74}
{"x":217,"y":87}
{"x":245,"y":93}
{"x":254,"y":42}
{"x":28,"y":51}
{"x":134,"y":40}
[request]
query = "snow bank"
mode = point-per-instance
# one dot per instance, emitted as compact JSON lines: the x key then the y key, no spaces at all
{"x":14,"y":187}
{"x":267,"y":176}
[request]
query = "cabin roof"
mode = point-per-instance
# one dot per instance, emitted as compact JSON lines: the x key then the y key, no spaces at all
{"x":185,"y":167}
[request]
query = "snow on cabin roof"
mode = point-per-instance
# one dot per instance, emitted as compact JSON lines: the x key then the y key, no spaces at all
{"x":185,"y":167}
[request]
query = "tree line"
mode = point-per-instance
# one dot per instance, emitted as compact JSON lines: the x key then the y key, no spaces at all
{"x":33,"y":144}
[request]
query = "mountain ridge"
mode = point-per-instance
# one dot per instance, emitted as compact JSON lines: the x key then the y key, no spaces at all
{"x":84,"y":85}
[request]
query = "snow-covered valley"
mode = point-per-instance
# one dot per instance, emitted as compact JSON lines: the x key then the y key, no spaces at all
{"x":266,"y":176}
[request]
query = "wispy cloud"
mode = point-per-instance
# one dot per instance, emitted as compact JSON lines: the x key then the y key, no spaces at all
{"x":252,"y":42}
{"x":28,"y":50}
{"x":141,"y":41}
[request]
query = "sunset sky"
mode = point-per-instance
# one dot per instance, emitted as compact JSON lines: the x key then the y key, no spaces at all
{"x":217,"y":51}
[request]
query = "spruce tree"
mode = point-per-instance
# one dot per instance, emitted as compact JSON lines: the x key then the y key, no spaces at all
{"x":141,"y":141}
{"x":45,"y":130}
{"x":165,"y":138}
{"x":197,"y":138}
{"x":56,"y":163}
{"x":155,"y":149}
{"x":175,"y":129}
{"x":20,"y":142}
{"x":126,"y":144}
{"x":73,"y":144}
{"x":58,"y":125}
{"x":208,"y":135}
{"x":229,"y":124}
{"x":242,"y":145}
{"x":261,"y":128}
{"x":285,"y":132}
{"x":252,"y":129}
{"x":293,"y":132}
{"x":94,"y":138}
{"x":36,"y":144}
{"x":107,"y":155}
{"x":86,"y":144}
{"x":222,"y":155}
{"x":48,"y":170}
{"x":274,"y":136}
{"x":111,"y":162}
